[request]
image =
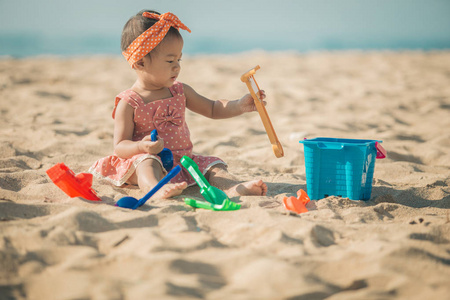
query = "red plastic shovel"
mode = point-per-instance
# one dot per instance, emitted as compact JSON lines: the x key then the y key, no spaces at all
{"x":73,"y":185}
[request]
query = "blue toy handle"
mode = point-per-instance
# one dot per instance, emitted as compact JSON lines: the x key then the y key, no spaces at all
{"x":154,"y":135}
{"x":160,"y":184}
{"x":165,"y":155}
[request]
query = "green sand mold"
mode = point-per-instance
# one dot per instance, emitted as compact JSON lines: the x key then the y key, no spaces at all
{"x":217,"y":199}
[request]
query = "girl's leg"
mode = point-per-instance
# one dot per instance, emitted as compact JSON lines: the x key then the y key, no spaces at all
{"x":148,"y":173}
{"x":219,"y":177}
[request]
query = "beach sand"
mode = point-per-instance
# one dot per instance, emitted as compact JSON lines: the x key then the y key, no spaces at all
{"x":395,"y":246}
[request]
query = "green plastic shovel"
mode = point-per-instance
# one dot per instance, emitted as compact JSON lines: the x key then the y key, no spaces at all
{"x":217,"y":199}
{"x":227,"y":204}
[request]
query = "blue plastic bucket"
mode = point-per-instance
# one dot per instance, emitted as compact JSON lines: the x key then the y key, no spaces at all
{"x":340,"y":167}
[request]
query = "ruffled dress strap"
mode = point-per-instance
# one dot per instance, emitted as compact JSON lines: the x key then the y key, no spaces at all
{"x":177,"y":89}
{"x":130,"y":97}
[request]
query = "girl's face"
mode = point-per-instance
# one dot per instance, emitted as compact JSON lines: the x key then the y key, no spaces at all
{"x":163,"y":68}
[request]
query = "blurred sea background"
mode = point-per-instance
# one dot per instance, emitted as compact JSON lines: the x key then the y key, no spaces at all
{"x":87,"y":27}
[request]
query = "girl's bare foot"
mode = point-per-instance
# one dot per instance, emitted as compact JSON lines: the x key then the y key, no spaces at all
{"x":249,"y":188}
{"x":171,"y":190}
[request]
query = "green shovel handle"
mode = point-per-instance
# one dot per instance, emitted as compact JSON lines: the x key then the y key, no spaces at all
{"x":193,"y":169}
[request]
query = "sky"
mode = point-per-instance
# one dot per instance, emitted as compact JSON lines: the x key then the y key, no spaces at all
{"x":30,"y":27}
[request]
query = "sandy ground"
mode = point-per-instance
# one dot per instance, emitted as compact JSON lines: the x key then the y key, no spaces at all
{"x":395,"y":246}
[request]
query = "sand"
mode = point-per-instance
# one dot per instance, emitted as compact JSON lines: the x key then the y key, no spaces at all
{"x":395,"y":246}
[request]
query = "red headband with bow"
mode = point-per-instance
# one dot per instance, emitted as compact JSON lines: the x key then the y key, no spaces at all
{"x":151,"y":38}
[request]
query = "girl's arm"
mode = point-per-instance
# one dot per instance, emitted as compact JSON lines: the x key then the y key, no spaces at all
{"x":124,"y":146}
{"x":219,"y":109}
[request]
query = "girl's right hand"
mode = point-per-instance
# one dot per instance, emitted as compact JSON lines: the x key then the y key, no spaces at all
{"x":146,"y":145}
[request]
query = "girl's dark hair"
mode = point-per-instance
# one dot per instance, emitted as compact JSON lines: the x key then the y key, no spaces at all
{"x":137,"y":24}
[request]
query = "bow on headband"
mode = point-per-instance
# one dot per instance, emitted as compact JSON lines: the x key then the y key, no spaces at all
{"x":150,"y":38}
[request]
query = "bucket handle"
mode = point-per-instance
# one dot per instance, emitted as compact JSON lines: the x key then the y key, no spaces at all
{"x":381,"y":152}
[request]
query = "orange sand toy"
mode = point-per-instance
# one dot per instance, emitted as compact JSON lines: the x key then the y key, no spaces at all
{"x":297,"y":204}
{"x":73,"y":185}
{"x":253,"y":87}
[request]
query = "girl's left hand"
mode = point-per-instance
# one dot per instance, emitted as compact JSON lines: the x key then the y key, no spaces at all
{"x":247,"y":104}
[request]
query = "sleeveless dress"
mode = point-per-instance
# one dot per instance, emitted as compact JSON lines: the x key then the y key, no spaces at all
{"x":167,"y":116}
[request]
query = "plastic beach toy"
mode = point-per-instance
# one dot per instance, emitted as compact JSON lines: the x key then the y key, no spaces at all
{"x":297,"y":204}
{"x":341,"y":167}
{"x":73,"y":185}
{"x":226,"y":205}
{"x":253,"y":87}
{"x":165,"y":155}
{"x":217,"y":199}
{"x":133,"y":203}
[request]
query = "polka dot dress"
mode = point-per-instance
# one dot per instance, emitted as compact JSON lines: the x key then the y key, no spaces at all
{"x":168,"y":117}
